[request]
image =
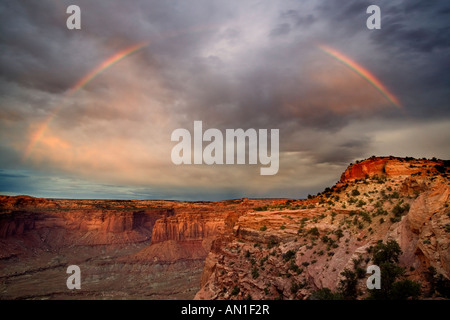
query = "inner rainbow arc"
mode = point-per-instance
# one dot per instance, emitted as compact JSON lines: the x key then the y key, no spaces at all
{"x":88,"y":77}
{"x":363,"y":72}
{"x":104,"y":65}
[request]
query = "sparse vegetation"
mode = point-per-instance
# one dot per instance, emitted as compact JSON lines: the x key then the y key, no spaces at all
{"x":255,"y":273}
{"x":235,"y":291}
{"x":386,"y":257}
{"x":325,"y":294}
{"x":289,"y":255}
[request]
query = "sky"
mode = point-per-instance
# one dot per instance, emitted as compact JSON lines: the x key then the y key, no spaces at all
{"x":89,"y":113}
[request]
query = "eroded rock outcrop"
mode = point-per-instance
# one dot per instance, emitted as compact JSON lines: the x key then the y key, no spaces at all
{"x":290,"y":250}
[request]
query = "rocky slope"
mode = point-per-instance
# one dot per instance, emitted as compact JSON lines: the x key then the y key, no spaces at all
{"x":290,"y":250}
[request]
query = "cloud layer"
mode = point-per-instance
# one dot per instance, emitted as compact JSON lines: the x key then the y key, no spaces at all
{"x":231,"y":64}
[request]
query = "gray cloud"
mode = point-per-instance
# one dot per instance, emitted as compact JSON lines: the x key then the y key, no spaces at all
{"x":231,"y":64}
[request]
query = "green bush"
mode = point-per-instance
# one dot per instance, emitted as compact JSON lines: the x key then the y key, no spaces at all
{"x":255,"y":273}
{"x":325,"y":294}
{"x":272,"y":243}
{"x":399,"y":210}
{"x":263,"y":228}
{"x":386,"y":257}
{"x":404,"y":289}
{"x":235,"y":290}
{"x":263,"y":208}
{"x":339,"y":233}
{"x":289,"y":255}
{"x":314,"y":232}
{"x":388,"y":252}
{"x":360,"y":203}
{"x":347,"y":286}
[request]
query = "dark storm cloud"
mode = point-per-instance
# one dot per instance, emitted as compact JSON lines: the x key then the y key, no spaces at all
{"x":4,"y":175}
{"x":231,"y":64}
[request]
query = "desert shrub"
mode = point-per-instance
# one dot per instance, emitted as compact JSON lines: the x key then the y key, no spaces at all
{"x":347,"y":286}
{"x":365,"y":216}
{"x":438,"y":283}
{"x":263,"y":260}
{"x":325,"y":294}
{"x":404,"y":289}
{"x":255,"y":273}
{"x":447,"y":227}
{"x":339,"y":233}
{"x":361,"y":203}
{"x":395,"y":195}
{"x":263,"y":208}
{"x":294,"y":287}
{"x":360,"y":272}
{"x":235,"y":290}
{"x":288,"y":255}
{"x":263,"y":228}
{"x":314,"y":232}
{"x":355,"y":192}
{"x":294,"y":267}
{"x":272,"y":243}
{"x":386,"y":257}
{"x":388,"y":252}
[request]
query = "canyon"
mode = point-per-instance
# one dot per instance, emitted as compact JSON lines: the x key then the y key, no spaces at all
{"x":232,"y":249}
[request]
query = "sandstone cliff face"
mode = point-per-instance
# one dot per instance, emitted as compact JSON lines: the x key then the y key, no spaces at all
{"x":422,"y":233}
{"x":126,"y":249}
{"x":290,"y":251}
{"x":188,"y":235}
{"x":389,"y":167}
{"x":27,"y":224}
{"x":268,"y":248}
{"x":185,"y":236}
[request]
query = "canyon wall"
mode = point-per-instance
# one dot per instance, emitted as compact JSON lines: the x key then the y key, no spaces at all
{"x":235,"y":249}
{"x":291,"y":250}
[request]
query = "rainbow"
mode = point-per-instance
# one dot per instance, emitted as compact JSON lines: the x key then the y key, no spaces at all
{"x":105,"y":65}
{"x":79,"y":85}
{"x":362,"y":72}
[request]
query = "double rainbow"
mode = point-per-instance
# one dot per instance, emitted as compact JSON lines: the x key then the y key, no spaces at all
{"x":107,"y":63}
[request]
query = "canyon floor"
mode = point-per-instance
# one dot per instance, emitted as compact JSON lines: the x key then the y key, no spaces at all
{"x":235,"y":249}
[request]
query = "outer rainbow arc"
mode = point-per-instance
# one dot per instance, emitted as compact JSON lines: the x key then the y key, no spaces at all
{"x":363,"y":72}
{"x":77,"y":86}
